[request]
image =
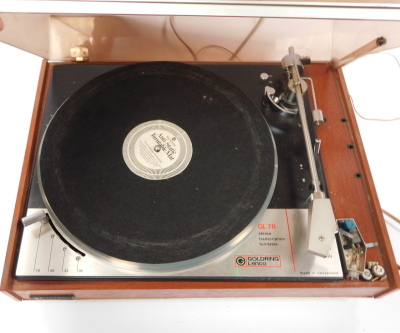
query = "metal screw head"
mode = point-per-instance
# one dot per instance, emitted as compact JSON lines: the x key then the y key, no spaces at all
{"x":157,"y":148}
{"x":264,"y":76}
{"x":321,"y":238}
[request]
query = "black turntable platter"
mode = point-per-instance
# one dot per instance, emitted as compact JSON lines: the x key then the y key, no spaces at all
{"x":103,"y":204}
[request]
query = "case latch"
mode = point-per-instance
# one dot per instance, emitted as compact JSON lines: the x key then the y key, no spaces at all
{"x":80,"y":54}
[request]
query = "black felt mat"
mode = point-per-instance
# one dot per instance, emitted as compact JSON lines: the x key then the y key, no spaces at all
{"x":101,"y":202}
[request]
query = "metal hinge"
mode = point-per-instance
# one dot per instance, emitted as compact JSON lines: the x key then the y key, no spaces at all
{"x":79,"y":54}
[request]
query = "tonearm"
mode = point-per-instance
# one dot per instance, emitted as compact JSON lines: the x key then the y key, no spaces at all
{"x":290,"y":102}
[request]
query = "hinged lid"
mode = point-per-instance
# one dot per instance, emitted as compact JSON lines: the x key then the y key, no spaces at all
{"x":197,"y":29}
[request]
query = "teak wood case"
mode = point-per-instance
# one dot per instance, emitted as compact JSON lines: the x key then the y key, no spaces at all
{"x":350,"y":186}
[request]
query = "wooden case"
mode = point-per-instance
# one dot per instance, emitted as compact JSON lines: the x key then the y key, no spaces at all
{"x":348,"y":177}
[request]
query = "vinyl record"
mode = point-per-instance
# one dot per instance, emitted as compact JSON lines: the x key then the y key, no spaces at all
{"x":157,"y":163}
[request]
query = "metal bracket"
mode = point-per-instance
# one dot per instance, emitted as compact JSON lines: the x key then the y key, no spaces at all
{"x":79,"y":54}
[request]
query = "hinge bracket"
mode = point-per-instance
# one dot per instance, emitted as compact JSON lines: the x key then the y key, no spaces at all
{"x":79,"y":54}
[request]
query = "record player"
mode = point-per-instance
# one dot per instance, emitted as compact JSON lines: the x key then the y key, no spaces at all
{"x":161,"y":163}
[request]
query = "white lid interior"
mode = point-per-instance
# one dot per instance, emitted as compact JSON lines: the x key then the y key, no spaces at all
{"x":213,"y":30}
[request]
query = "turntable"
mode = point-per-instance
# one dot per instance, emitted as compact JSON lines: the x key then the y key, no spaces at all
{"x":166,"y":178}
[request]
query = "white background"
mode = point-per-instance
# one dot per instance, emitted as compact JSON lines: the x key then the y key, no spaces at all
{"x":374,"y":86}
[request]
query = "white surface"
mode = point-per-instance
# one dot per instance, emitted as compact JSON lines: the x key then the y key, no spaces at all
{"x":18,"y":80}
{"x":329,"y":10}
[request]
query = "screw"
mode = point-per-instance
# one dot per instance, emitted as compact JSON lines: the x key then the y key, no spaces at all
{"x":264,"y":76}
{"x":78,"y":258}
{"x":321,"y":238}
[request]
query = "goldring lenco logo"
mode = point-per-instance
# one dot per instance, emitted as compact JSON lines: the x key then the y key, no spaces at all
{"x":258,"y":261}
{"x":240,"y":261}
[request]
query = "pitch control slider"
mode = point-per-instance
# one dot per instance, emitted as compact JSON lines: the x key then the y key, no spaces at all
{"x":321,"y":220}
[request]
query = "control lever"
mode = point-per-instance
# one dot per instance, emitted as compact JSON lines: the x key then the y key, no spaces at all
{"x":33,"y":218}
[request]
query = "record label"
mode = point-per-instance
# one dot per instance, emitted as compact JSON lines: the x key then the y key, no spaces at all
{"x":157,"y":150}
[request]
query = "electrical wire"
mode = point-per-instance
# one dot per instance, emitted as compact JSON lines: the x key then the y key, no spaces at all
{"x":233,"y":54}
{"x":370,"y":119}
{"x":394,"y":218}
{"x":389,"y":54}
{"x":351,"y":98}
{"x":180,"y":39}
{"x":246,"y":39}
{"x":218,"y":47}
